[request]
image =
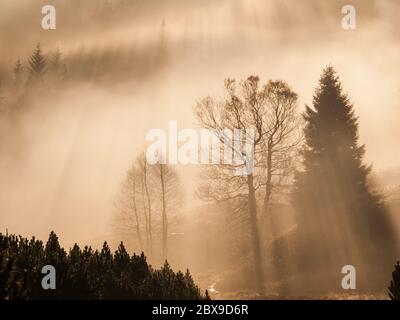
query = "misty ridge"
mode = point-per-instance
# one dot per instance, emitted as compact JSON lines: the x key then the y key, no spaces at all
{"x":76,"y":103}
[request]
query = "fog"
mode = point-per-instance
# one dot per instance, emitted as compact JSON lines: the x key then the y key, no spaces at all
{"x":64,"y":157}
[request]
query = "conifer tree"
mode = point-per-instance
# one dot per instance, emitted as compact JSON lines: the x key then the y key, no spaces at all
{"x":18,"y":73}
{"x":37,"y":64}
{"x":57,"y":66}
{"x":85,"y":274}
{"x":340,"y":220}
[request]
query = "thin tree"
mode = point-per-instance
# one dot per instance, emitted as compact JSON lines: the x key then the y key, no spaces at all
{"x":170,"y":200}
{"x":128,"y":205}
{"x":280,"y":154}
{"x":148,"y":196}
{"x":144,"y":168}
{"x":282,"y":139}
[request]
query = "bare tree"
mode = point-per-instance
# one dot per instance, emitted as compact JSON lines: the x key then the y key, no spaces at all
{"x":283,"y":136}
{"x":270,"y":112}
{"x":170,"y":199}
{"x":148,"y":196}
{"x":145,"y":178}
{"x":131,"y":209}
{"x":281,"y":154}
{"x":241,"y":112}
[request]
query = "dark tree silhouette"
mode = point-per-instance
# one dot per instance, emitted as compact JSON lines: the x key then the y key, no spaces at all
{"x":340,"y":220}
{"x":394,"y":289}
{"x":86,"y":274}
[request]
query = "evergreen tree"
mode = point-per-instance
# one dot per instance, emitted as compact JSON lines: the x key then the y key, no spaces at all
{"x":37,"y":64}
{"x":57,"y":66}
{"x":394,"y":289}
{"x":18,"y":73}
{"x":340,"y":220}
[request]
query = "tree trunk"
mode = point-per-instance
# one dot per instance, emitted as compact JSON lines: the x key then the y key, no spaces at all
{"x":164,"y":214}
{"x":139,"y":235}
{"x":276,"y":250}
{"x":145,"y":218}
{"x":255,"y":237}
{"x":268,"y":184}
{"x":149,"y":212}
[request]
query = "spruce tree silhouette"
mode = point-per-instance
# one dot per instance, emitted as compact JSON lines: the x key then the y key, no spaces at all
{"x":340,"y":220}
{"x":37,"y":64}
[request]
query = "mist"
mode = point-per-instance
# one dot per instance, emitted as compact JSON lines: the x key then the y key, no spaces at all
{"x":65,"y":154}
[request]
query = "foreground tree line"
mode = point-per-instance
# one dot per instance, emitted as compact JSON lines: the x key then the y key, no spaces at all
{"x":86,"y":273}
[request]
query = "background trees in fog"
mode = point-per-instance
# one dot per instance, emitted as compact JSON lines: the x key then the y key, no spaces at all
{"x":37,"y":65}
{"x":149,"y":199}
